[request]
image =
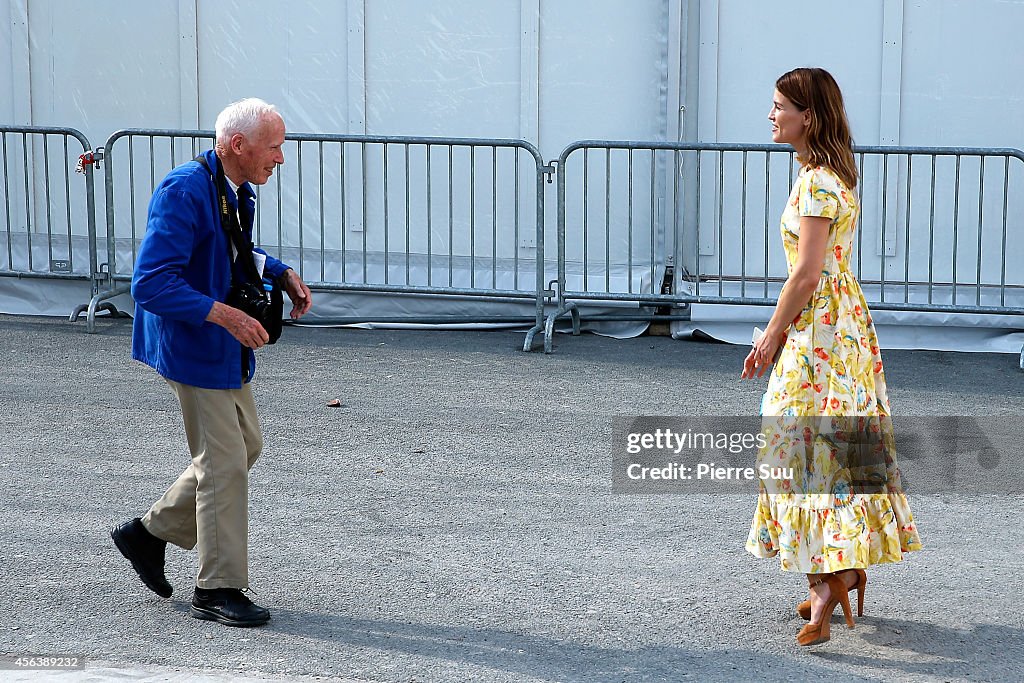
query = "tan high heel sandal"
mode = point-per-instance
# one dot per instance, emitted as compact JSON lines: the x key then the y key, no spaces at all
{"x":804,"y":608}
{"x":814,"y":633}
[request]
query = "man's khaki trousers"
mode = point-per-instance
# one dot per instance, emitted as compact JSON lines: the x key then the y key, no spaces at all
{"x":208,"y":505}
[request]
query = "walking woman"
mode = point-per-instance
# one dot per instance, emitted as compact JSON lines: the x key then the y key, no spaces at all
{"x":825,"y":411}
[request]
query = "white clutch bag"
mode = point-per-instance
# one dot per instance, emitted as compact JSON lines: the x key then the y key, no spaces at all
{"x":758,"y":333}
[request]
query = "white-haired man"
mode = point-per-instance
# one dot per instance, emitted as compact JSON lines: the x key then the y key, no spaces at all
{"x":203,"y":348}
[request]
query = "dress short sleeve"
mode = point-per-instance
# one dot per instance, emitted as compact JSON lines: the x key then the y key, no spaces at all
{"x":819,"y":194}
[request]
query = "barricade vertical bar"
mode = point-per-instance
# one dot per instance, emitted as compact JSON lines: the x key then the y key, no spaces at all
{"x":344,"y":224}
{"x":767,"y":193}
{"x":46,"y":190}
{"x":629,"y":224}
{"x":540,"y":285}
{"x":430,"y":232}
{"x":363,"y":149}
{"x":743,"y":228}
{"x":956,"y":222}
{"x":931,"y":233}
{"x":7,"y":206}
{"x":387,"y":246}
{"x":408,"y":221}
{"x":494,"y":217}
{"x":259,"y":214}
{"x":323,"y":223}
{"x":720,"y":221}
{"x":586,"y":216}
{"x":860,"y":224}
{"x":299,"y":203}
{"x":885,"y":219}
{"x":654,"y":227}
{"x":696,"y":231}
{"x":131,"y":192}
{"x":67,"y":207}
{"x":451,"y":218}
{"x":28,"y":198}
{"x":1002,"y":250}
{"x":108,"y":184}
{"x":560,"y":265}
{"x":280,"y":217}
{"x":174,"y":161}
{"x":515,"y":243}
{"x":472,"y":216}
{"x":678,"y":220}
{"x":90,"y":222}
{"x":981,"y":222}
{"x":607,"y":220}
{"x":152,"y":163}
{"x":906,"y":232}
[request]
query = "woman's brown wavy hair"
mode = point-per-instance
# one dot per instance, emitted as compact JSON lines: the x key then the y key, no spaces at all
{"x":829,"y":142}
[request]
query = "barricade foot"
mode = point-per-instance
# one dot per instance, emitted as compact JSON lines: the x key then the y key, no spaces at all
{"x":530,"y":334}
{"x":99,"y":303}
{"x":549,"y":332}
{"x":79,"y":309}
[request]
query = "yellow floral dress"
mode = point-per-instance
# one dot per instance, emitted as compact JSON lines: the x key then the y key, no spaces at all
{"x":835,"y":501}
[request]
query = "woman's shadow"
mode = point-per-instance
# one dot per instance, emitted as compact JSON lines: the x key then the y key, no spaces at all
{"x":988,"y":652}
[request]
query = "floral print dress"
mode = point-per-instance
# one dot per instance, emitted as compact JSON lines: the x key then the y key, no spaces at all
{"x":837,"y":502}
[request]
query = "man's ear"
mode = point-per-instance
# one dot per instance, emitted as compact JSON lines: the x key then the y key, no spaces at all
{"x":236,"y":143}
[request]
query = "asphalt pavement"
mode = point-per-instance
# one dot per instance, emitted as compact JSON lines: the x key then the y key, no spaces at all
{"x":454,"y":520}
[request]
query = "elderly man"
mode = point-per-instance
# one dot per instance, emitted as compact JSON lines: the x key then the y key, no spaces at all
{"x":203,"y":348}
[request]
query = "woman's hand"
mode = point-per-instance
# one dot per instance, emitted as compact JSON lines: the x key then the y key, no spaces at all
{"x":762,"y":356}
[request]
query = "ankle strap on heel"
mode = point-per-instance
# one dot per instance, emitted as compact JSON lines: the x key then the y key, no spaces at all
{"x":818,"y":578}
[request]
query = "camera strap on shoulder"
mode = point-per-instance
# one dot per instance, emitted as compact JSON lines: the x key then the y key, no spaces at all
{"x":230,"y":223}
{"x":267,"y":298}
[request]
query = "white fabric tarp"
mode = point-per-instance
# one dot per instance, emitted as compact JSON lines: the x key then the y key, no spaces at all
{"x":896,"y":329}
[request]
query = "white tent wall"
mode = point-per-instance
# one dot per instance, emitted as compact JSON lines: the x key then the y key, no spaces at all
{"x":933,"y":72}
{"x":543,"y":72}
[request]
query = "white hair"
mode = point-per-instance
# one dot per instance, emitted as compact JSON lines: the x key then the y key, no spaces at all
{"x":243,"y":116}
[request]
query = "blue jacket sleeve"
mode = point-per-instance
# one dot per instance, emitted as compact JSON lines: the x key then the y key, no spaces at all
{"x":159,"y":285}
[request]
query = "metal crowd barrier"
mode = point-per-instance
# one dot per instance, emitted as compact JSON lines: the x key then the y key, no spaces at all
{"x":48,"y":228}
{"x":460,"y":217}
{"x":672,"y":224}
{"x":645,"y":227}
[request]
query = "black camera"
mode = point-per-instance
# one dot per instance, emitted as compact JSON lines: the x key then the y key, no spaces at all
{"x":262,"y":301}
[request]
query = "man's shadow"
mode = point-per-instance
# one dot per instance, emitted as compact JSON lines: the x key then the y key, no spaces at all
{"x":525,"y":655}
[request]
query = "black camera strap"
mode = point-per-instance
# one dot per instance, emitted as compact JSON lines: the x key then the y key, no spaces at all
{"x":243,"y":252}
{"x":229,"y":222}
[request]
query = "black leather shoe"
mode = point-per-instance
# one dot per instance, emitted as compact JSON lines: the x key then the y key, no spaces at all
{"x":146,"y":553}
{"x":228,"y":606}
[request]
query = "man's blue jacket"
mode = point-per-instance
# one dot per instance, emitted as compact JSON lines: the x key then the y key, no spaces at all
{"x":183,"y":266}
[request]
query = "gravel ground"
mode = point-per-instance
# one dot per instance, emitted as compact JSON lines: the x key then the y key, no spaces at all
{"x":454,"y":520}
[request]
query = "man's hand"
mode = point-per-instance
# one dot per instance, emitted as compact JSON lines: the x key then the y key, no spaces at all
{"x":242,"y":327}
{"x":298,"y":292}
